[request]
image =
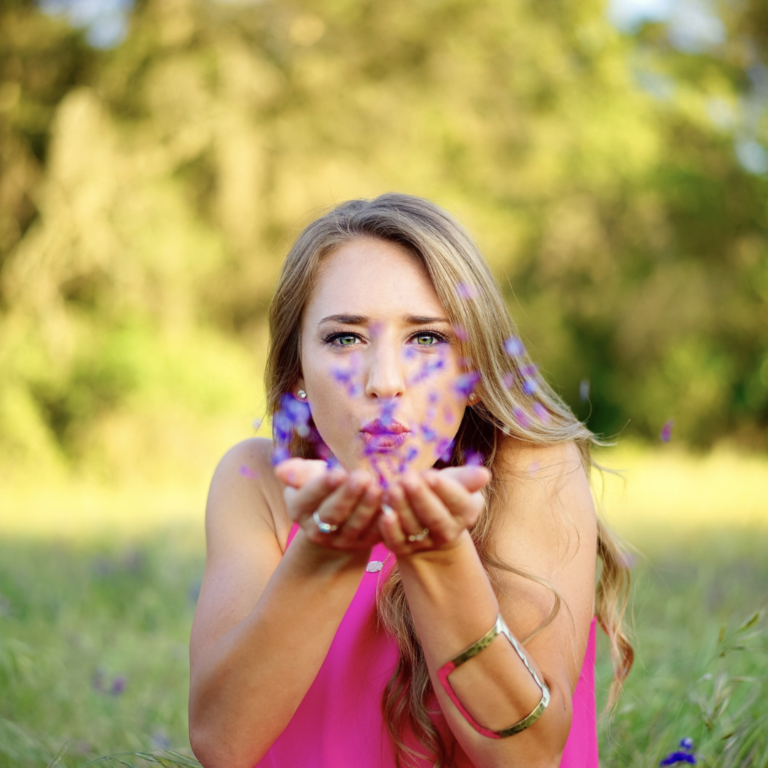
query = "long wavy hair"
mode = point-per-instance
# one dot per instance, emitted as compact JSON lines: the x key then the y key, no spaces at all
{"x":450,"y":258}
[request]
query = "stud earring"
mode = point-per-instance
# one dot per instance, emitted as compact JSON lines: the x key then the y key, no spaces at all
{"x":472,"y":397}
{"x":302,"y":394}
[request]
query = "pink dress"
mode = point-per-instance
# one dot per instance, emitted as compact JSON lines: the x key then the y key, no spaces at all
{"x":339,"y":723}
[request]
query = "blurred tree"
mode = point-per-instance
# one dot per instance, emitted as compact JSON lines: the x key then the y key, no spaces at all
{"x":612,"y":179}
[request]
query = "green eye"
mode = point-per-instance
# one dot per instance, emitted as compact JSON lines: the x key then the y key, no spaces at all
{"x":426,"y":339}
{"x":346,"y":341}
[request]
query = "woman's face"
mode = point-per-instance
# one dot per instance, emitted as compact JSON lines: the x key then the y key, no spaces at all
{"x":379,"y":359}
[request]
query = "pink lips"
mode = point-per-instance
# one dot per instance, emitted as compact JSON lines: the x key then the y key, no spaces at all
{"x":380,"y":437}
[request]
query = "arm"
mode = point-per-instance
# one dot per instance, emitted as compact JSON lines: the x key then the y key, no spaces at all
{"x":252,"y":659}
{"x":549,"y":530}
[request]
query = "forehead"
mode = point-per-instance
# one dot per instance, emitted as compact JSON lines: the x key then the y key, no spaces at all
{"x":374,"y":278}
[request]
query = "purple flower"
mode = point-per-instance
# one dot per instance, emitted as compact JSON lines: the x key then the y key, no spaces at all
{"x":521,"y":417}
{"x":514,"y":347}
{"x":465,"y":384}
{"x":529,"y":386}
{"x":460,"y":332}
{"x":666,"y":432}
{"x":473,"y":459}
{"x":541,"y":412}
{"x":444,"y":448}
{"x":246,"y":471}
{"x":467,"y":291}
{"x":584,"y":390}
{"x":687,"y":743}
{"x":678,"y":757}
{"x":118,"y":685}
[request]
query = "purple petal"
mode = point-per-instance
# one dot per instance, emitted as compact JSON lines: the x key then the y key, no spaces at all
{"x":521,"y":417}
{"x":514,"y":347}
{"x":473,"y":459}
{"x":279,"y":454}
{"x":541,"y":412}
{"x":467,"y":291}
{"x":465,"y":384}
{"x":687,"y":742}
{"x":508,"y":380}
{"x":246,"y":471}
{"x":460,"y":332}
{"x":529,"y":386}
{"x":118,"y":686}
{"x":666,"y":432}
{"x":443,"y":449}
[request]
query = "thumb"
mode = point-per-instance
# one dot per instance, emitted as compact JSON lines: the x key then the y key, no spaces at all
{"x":298,"y":472}
{"x":471,"y":477}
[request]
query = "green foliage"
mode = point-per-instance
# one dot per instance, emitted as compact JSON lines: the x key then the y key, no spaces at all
{"x":159,"y":184}
{"x":73,"y":618}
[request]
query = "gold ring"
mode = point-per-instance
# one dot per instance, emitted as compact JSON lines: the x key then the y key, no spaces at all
{"x":418,"y":536}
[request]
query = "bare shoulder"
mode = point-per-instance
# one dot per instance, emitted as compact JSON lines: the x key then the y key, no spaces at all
{"x":244,"y":482}
{"x":244,"y":542}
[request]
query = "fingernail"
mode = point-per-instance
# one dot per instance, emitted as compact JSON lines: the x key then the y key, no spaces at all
{"x":387,"y":510}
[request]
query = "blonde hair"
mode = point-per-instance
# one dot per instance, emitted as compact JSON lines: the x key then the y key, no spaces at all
{"x":451,"y":259}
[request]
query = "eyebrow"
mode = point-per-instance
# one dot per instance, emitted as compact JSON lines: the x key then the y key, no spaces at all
{"x":362,"y":320}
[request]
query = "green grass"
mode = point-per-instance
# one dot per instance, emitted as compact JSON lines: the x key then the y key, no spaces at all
{"x":98,"y":584}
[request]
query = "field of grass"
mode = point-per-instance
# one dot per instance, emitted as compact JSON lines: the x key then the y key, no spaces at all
{"x":98,"y":587}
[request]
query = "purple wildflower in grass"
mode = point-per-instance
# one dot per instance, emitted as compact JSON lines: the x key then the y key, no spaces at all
{"x":160,"y":741}
{"x":514,"y":347}
{"x":246,"y":471}
{"x":681,"y":756}
{"x":529,"y":386}
{"x":521,"y":417}
{"x":473,"y":459}
{"x":508,"y":379}
{"x":118,"y":685}
{"x":541,"y":412}
{"x":460,"y":332}
{"x":467,"y":291}
{"x":97,"y":679}
{"x":584,"y":390}
{"x":666,"y":431}
{"x":465,"y":384}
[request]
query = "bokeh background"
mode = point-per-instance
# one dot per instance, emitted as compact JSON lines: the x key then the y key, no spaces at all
{"x":158,"y":157}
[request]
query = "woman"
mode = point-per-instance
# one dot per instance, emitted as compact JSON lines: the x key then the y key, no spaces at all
{"x":424,"y":596}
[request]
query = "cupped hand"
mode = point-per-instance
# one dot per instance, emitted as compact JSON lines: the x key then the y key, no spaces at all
{"x":430,"y":511}
{"x":349,"y":501}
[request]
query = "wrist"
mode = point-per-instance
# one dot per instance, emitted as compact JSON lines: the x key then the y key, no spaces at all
{"x":316,"y":557}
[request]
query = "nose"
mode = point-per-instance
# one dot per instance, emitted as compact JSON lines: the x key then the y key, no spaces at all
{"x":385,"y":377}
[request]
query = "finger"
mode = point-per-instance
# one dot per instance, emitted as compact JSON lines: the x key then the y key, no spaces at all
{"x":458,"y":500}
{"x":336,"y":508}
{"x":359,"y":526}
{"x":390,"y":529}
{"x":304,"y":501}
{"x":297,"y":472}
{"x":430,"y":510}
{"x":471,"y":477}
{"x":397,"y":499}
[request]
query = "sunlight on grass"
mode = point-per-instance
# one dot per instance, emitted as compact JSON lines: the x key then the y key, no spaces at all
{"x":663,"y":489}
{"x":668,"y":489}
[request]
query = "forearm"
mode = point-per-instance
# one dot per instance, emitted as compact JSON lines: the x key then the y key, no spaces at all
{"x":453,"y":605}
{"x":251,"y":682}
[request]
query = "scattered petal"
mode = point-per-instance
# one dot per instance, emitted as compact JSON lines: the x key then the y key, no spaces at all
{"x":666,"y":432}
{"x":530,"y":386}
{"x":467,"y":291}
{"x":514,"y":347}
{"x":118,"y":685}
{"x":473,"y":459}
{"x":508,"y":379}
{"x":541,"y":412}
{"x":246,"y":471}
{"x":460,"y":332}
{"x":521,"y":417}
{"x":465,"y":384}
